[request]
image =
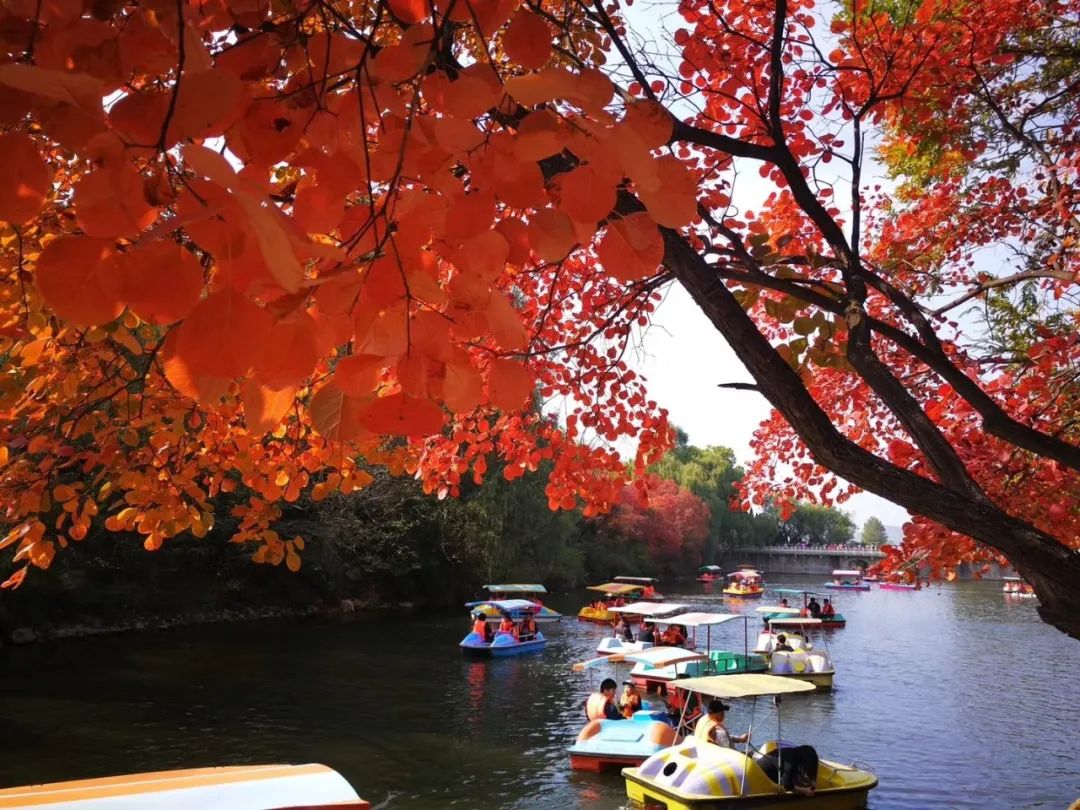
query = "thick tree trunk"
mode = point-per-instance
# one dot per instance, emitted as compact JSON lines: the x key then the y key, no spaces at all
{"x":1051,"y":567}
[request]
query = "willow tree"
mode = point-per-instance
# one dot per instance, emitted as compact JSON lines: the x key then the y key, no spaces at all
{"x":249,"y":243}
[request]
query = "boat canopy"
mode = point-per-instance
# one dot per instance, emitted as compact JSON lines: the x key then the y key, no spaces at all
{"x":1012,"y":579}
{"x":659,"y":656}
{"x":647,"y":608}
{"x":700,"y":619}
{"x":793,"y":622}
{"x":710,"y":568}
{"x":744,"y":685}
{"x":638,"y":580}
{"x":847,"y":573}
{"x":745,"y":572}
{"x":519,"y":588}
{"x":615,"y":588}
{"x":778,"y":609}
{"x":796,"y":591}
{"x":508,"y":605}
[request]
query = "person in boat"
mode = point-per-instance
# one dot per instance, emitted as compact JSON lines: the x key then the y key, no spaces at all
{"x":623,"y":631}
{"x":481,"y":627}
{"x":648,"y":591}
{"x":630,"y":701}
{"x":711,"y":728}
{"x":782,"y":645}
{"x":527,"y":629}
{"x":601,"y":705}
{"x":507,"y":626}
{"x":784,"y":602}
{"x":827,"y":611}
{"x":645,"y":632}
{"x":813,"y":608}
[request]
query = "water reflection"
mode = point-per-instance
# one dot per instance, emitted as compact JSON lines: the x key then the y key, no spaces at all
{"x":955,"y":696}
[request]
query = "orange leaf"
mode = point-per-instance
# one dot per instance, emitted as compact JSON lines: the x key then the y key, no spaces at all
{"x":505,"y":322}
{"x":484,"y":255}
{"x":649,"y":122}
{"x":224,"y":335}
{"x":673,"y":203}
{"x":160,"y":281}
{"x":290,"y":352}
{"x":631,"y":248}
{"x":75,"y":277}
{"x":25,"y":179}
{"x":539,"y":136}
{"x":551,"y":234}
{"x":527,"y":40}
{"x":510,"y":384}
{"x":402,"y":415}
{"x":462,"y":387}
{"x":110,"y":203}
{"x":359,"y":374}
{"x":273,"y":241}
{"x":207,"y":390}
{"x":410,"y":11}
{"x":587,"y":196}
{"x":264,"y":408}
{"x":334,"y":414}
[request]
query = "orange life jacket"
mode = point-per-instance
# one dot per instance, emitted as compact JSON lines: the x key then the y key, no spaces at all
{"x":507,"y":626}
{"x":594,"y":707}
{"x":480,"y":627}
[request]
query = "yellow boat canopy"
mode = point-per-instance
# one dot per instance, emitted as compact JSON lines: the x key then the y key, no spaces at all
{"x":615,"y":588}
{"x":739,"y":686}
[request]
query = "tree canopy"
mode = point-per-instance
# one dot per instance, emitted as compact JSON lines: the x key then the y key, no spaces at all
{"x":873,"y":533}
{"x":248,"y":244}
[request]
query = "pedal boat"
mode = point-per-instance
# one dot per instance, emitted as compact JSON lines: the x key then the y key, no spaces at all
{"x":632,"y":612}
{"x":1017,"y":588}
{"x":543,"y":614}
{"x":607,"y":744}
{"x":805,"y":662}
{"x":505,"y":644}
{"x":696,"y":775}
{"x":898,"y":586}
{"x":833,"y":622}
{"x":846,"y":579}
{"x":710,"y":573}
{"x":611,"y":591}
{"x":648,"y":587}
{"x":657,"y":673}
{"x":239,"y":787}
{"x":746,"y":583}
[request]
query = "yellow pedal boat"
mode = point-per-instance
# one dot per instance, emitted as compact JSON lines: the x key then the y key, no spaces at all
{"x":698,"y":775}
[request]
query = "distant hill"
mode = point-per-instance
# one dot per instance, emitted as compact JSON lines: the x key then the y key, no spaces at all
{"x":895,"y":533}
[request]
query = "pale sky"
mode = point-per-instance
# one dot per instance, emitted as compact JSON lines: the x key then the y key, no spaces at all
{"x":684,"y":358}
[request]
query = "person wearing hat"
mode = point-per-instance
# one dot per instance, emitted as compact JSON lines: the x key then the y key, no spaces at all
{"x":630,"y":701}
{"x":711,"y":728}
{"x":601,"y":705}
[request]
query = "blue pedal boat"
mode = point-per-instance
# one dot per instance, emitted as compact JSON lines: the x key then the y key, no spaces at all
{"x":605,"y":744}
{"x":505,"y":644}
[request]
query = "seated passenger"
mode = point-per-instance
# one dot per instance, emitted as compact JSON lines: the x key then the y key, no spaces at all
{"x":630,"y":701}
{"x":645,"y":632}
{"x":711,"y":728}
{"x":814,"y":608}
{"x":648,"y":591}
{"x":782,"y":645}
{"x":623,"y":631}
{"x":507,"y":626}
{"x":527,"y":629}
{"x":784,"y":602}
{"x":481,"y":627}
{"x":827,"y":611}
{"x":601,"y":705}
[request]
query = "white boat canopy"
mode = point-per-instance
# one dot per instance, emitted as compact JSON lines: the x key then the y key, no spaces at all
{"x":648,"y":608}
{"x":745,"y":572}
{"x":846,"y":573}
{"x":1012,"y":579}
{"x":795,"y":622}
{"x":517,"y":588}
{"x":778,"y":609}
{"x":637,"y":580}
{"x":510,"y":605}
{"x":739,"y":686}
{"x":654,"y":656}
{"x":700,"y":619}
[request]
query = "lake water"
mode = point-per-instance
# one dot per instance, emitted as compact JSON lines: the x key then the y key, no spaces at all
{"x":955,"y":696}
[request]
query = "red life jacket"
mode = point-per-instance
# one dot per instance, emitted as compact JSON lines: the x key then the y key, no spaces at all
{"x":480,"y":627}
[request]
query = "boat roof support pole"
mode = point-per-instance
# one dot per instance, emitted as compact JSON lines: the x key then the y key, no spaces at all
{"x":779,"y":748}
{"x":746,"y":750}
